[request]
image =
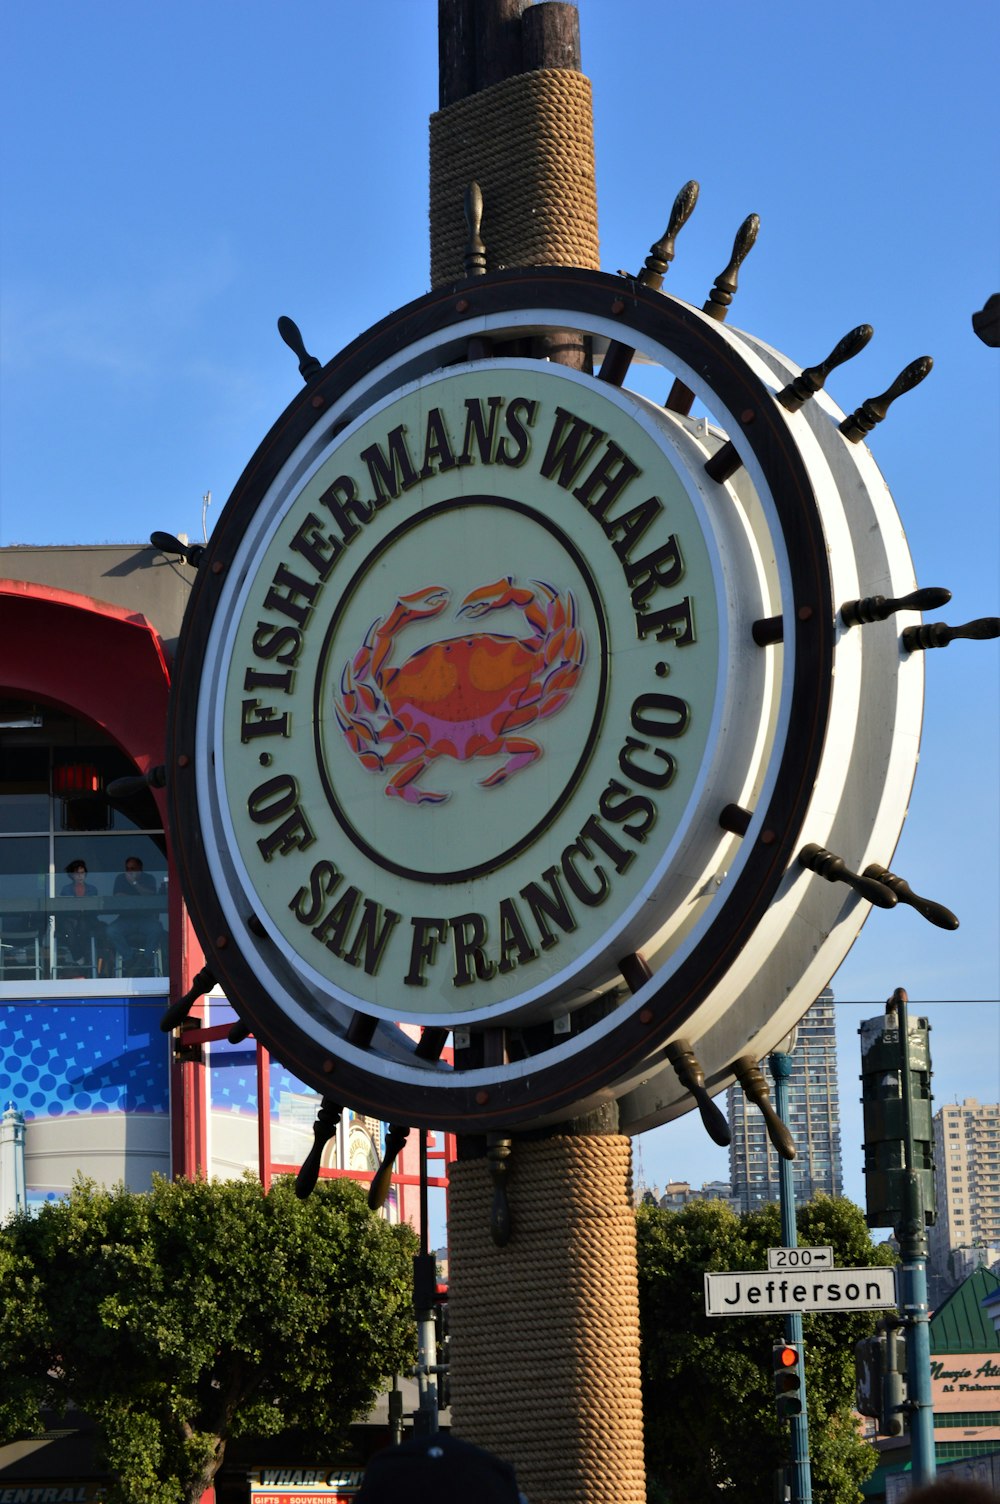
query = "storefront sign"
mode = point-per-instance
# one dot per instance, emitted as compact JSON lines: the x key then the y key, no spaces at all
{"x":300,"y":1485}
{"x":965,"y":1382}
{"x":54,"y":1492}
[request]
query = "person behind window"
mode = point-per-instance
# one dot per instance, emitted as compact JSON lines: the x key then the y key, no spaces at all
{"x":136,"y":937}
{"x":78,"y":932}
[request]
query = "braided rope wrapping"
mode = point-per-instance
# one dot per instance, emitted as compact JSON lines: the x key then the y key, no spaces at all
{"x":545,"y":1332}
{"x":529,"y":144}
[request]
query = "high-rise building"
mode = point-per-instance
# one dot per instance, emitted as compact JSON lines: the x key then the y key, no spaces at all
{"x":813,"y":1116}
{"x":966,"y":1233}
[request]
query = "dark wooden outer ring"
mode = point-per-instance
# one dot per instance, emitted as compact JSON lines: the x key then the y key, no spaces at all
{"x":579,"y":297}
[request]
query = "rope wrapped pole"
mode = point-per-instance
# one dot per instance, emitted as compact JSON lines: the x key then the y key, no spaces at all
{"x":544,"y":1363}
{"x":529,"y":144}
{"x":545,"y":1331}
{"x":516,"y":117}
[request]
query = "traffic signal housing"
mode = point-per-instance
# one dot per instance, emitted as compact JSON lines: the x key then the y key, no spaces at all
{"x":885,"y":1059}
{"x":443,"y":1343}
{"x":789,"y":1379}
{"x":880,"y":1368}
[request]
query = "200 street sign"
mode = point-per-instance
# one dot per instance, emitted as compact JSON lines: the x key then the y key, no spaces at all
{"x":752,"y":1292}
{"x":801,"y":1258}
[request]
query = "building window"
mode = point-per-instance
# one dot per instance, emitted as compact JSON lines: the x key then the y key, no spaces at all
{"x":83,"y":873}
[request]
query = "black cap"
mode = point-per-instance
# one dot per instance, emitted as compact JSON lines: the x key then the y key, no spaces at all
{"x":438,"y":1469}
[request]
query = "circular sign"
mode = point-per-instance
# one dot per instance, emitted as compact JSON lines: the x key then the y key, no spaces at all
{"x":499,"y":719}
{"x":453,"y":755}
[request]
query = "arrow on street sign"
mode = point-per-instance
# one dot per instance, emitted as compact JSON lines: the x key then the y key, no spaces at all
{"x":800,"y":1258}
{"x":751,"y":1292}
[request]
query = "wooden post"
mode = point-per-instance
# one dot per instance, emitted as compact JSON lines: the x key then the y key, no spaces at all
{"x":483,"y":43}
{"x":545,"y":1368}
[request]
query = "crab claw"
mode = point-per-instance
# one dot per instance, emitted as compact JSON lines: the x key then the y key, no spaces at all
{"x":427,"y":602}
{"x":430,"y":601}
{"x":493,"y":597}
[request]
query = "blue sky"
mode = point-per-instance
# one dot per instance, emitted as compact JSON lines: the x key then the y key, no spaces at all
{"x":175,"y":176}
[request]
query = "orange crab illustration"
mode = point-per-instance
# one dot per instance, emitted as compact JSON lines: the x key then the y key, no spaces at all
{"x":459,"y":697}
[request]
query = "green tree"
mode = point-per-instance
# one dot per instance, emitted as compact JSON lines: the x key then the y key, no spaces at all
{"x":712,"y":1430}
{"x":199,"y":1312}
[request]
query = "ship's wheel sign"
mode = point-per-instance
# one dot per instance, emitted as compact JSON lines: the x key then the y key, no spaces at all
{"x":455,"y":777}
{"x":480,"y":662}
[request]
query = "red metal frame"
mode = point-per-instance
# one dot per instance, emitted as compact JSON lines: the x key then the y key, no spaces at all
{"x":195,"y":1129}
{"x":43,"y":620}
{"x":188,"y":1108}
{"x":65,"y":642}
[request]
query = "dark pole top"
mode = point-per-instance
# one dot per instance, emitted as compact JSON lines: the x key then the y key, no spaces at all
{"x":484,"y":42}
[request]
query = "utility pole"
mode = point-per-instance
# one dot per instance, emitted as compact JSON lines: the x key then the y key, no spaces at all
{"x":780,"y":1065}
{"x":913,"y":1282}
{"x":425,"y":1417}
{"x":899,"y":1190}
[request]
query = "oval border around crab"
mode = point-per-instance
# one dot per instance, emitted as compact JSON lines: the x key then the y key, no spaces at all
{"x":600,"y":660}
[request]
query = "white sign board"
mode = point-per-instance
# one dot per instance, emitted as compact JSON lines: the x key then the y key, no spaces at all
{"x":800,"y":1258}
{"x":752,"y":1292}
{"x":304,"y":1485}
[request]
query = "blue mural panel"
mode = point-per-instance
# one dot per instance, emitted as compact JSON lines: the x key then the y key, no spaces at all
{"x":232,"y":1076}
{"x":74,"y":1057}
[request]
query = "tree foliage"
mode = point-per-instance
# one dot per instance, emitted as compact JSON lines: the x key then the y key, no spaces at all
{"x":199,"y":1312}
{"x":712,"y":1429}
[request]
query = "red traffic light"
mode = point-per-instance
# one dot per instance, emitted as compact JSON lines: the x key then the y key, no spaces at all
{"x":789,"y":1393}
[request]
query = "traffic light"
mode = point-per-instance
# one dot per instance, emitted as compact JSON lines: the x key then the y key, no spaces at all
{"x":880,"y":1369}
{"x":884,"y":1061}
{"x":789,"y":1379}
{"x":443,"y":1343}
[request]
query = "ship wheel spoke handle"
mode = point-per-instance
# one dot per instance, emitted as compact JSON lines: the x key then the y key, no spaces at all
{"x":324,"y":1128}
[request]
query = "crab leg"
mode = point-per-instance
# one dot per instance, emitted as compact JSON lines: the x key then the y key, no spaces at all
{"x":403,"y":784}
{"x":522,"y":752}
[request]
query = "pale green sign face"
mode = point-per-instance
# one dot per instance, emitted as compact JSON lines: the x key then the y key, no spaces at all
{"x":471,"y":684}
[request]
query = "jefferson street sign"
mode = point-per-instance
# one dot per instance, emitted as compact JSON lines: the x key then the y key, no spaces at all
{"x":800,"y":1258}
{"x":752,"y":1292}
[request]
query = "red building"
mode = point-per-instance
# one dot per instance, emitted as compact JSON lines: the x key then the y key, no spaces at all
{"x":94,"y":937}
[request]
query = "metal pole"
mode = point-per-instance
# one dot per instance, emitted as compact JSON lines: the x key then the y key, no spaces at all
{"x":425,"y":1417}
{"x":913,"y":1275}
{"x":781,"y":1069}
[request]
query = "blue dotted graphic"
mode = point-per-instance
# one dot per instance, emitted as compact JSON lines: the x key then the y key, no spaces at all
{"x":233,"y":1075}
{"x":75,"y":1057}
{"x":68,"y":1058}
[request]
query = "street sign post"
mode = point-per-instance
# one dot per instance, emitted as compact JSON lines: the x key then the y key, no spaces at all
{"x":800,"y":1258}
{"x":753,"y":1292}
